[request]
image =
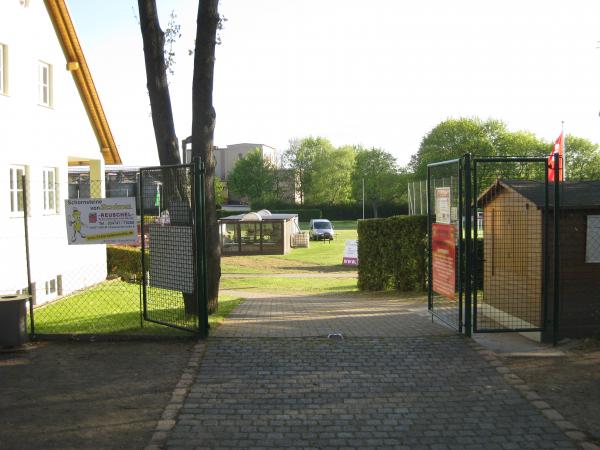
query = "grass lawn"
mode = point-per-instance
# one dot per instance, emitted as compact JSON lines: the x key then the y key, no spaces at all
{"x":283,"y":285}
{"x":320,"y":256}
{"x":113,"y":307}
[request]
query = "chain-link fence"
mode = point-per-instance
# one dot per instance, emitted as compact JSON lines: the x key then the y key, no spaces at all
{"x":87,"y":289}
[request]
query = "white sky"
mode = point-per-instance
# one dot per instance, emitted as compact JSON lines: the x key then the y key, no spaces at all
{"x":380,"y":73}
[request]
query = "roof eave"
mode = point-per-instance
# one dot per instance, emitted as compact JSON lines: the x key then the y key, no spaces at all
{"x":77,"y":65}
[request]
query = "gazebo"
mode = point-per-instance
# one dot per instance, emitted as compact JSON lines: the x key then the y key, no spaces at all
{"x":256,"y":233}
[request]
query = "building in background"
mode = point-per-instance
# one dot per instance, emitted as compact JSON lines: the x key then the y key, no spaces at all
{"x":52,"y":119}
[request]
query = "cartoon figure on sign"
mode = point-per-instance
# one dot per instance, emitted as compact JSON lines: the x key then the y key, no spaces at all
{"x":76,"y":225}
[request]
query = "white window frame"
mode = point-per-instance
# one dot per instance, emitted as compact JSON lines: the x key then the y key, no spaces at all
{"x":3,"y":69}
{"x":14,"y":190}
{"x":45,"y":88}
{"x":50,"y":191}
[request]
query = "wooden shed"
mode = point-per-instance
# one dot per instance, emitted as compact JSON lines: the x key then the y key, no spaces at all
{"x":514,"y":256}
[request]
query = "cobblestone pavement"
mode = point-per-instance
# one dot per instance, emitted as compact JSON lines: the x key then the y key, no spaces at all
{"x":421,"y":388}
{"x":353,"y":316}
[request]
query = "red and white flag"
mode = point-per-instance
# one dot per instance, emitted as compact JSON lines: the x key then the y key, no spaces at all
{"x":560,"y":149}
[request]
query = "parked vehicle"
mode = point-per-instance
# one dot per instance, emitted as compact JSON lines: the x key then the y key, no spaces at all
{"x":319,"y":229}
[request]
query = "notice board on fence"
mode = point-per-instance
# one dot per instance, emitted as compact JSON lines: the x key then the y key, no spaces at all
{"x":443,"y":258}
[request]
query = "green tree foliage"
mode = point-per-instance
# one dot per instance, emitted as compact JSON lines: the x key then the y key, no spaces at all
{"x":220,"y":191}
{"x":583,"y":159}
{"x":331,"y":180}
{"x":382,"y":181}
{"x":252,"y":176}
{"x":302,"y":157}
{"x":455,"y":137}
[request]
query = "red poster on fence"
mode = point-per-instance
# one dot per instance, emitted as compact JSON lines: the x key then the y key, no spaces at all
{"x":443,"y":258}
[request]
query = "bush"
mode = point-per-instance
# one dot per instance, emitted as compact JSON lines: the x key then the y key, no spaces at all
{"x":392,"y":253}
{"x":125,"y":262}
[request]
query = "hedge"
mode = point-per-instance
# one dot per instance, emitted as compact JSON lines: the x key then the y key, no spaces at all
{"x":392,"y":253}
{"x":125,"y":262}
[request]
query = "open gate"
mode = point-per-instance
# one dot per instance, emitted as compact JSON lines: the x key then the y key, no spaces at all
{"x":171,"y":200}
{"x":493,"y":249}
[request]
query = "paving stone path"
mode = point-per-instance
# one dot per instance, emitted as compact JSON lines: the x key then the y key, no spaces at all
{"x":411,"y":385}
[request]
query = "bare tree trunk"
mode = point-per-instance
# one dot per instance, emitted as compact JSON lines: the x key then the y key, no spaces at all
{"x":162,"y":115}
{"x":158,"y":87}
{"x":203,"y":126}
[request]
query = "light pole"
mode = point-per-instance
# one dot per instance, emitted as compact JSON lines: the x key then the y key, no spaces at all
{"x":363,"y":197}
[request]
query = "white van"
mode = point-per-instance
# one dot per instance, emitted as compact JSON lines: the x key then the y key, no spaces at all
{"x":320,"y":229}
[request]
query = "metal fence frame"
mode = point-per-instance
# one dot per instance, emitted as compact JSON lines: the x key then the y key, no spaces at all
{"x":467,"y":246}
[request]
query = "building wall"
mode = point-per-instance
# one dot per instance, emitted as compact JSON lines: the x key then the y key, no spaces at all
{"x":39,"y":137}
{"x":579,"y":281}
{"x":513,"y":262}
{"x":226,"y":157}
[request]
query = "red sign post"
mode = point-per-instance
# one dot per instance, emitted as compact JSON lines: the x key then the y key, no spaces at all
{"x":443,"y":252}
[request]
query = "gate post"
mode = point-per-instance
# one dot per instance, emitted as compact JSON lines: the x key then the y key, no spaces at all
{"x":556,"y":308}
{"x":429,"y":243}
{"x":200,"y":248}
{"x":468,"y":244}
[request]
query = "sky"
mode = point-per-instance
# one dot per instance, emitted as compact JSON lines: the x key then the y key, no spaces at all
{"x":380,"y":74}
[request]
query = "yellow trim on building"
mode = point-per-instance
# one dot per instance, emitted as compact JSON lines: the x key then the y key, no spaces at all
{"x":76,"y":63}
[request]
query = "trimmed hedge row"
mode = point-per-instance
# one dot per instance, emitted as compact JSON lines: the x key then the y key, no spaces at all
{"x":392,"y":253}
{"x":125,"y":262}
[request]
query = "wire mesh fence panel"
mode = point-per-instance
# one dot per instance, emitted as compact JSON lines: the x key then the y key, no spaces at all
{"x":445,"y":197}
{"x":511,"y":242}
{"x":171,"y":290}
{"x":73,"y":290}
{"x":78,"y":286}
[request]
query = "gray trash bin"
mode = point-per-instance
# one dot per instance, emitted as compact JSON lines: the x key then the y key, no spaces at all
{"x":13,"y":320}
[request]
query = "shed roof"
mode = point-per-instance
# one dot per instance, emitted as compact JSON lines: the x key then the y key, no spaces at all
{"x":573,"y":194}
{"x":238,"y":217}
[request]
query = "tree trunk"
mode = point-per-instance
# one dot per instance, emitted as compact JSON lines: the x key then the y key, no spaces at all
{"x":158,"y":87}
{"x":162,"y":115}
{"x":203,"y":126}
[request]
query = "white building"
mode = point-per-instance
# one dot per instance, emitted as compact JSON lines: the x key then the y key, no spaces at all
{"x":50,"y":118}
{"x":226,"y":157}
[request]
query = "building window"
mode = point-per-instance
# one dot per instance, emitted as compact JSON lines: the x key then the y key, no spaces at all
{"x":49,"y":187}
{"x":3,"y":69}
{"x":16,"y":188}
{"x":45,"y":84}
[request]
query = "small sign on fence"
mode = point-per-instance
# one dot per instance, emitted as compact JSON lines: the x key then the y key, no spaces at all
{"x":442,"y":205}
{"x":443,"y":259}
{"x":350,"y":257}
{"x":101,"y":220}
{"x":592,"y":250}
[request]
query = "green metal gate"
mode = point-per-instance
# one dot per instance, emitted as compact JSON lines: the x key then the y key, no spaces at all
{"x":173,"y":246}
{"x":493,"y":246}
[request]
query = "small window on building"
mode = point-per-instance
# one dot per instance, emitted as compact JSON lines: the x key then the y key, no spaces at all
{"x":240,"y":156}
{"x":3,"y":69}
{"x":45,"y":84}
{"x":16,"y":189}
{"x":49,"y":188}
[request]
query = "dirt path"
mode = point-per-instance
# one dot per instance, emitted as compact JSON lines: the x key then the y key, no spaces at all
{"x":80,"y":395}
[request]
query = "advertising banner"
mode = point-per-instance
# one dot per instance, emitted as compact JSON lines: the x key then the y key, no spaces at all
{"x":101,"y":221}
{"x":350,"y":257}
{"x":443,"y":252}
